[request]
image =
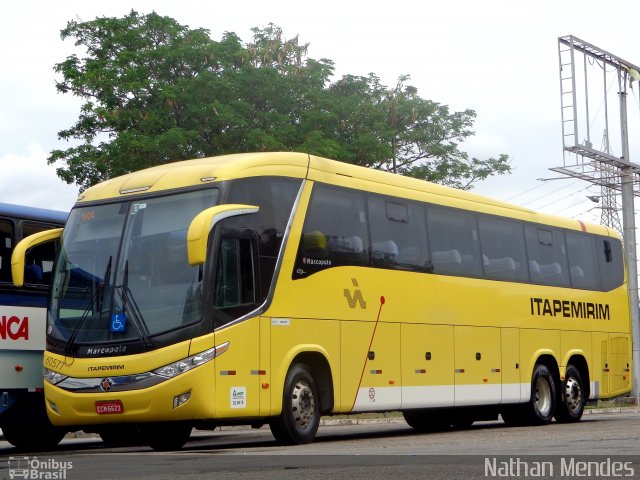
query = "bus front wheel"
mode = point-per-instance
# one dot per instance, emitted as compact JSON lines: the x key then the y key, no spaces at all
{"x":572,"y":399}
{"x":165,"y":436}
{"x":298,"y":423}
{"x":42,"y":437}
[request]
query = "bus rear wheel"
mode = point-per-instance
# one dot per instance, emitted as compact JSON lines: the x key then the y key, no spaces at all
{"x":165,"y":436}
{"x":540,"y":408}
{"x":572,"y":399}
{"x":298,"y":423}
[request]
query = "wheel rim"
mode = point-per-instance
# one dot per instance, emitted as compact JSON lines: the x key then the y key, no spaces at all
{"x":573,"y":395}
{"x":303,"y":404}
{"x":543,"y":396}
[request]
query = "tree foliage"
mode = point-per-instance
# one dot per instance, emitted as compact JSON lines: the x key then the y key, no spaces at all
{"x":155,"y":91}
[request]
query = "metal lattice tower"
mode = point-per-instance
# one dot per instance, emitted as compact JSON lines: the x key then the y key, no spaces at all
{"x":614,"y":173}
{"x":610,"y":208}
{"x":609,"y":216}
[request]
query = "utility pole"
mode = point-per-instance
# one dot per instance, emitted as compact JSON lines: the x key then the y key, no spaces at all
{"x":582,"y":161}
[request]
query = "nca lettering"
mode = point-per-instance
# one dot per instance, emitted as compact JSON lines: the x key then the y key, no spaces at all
{"x":14,"y":328}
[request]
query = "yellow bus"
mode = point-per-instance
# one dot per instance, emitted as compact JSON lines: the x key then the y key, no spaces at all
{"x":273,"y":288}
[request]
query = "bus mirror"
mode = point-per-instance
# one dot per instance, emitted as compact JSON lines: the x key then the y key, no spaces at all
{"x":203,"y":223}
{"x":20,"y":252}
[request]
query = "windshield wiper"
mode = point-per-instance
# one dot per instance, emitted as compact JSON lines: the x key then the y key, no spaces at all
{"x":96,"y":300}
{"x":127,"y":298}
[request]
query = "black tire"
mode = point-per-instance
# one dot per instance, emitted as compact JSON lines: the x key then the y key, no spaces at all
{"x":514,"y":415}
{"x":427,"y":421}
{"x":33,"y":438}
{"x":122,"y":436}
{"x":299,"y":420}
{"x":166,"y":436}
{"x":540,"y":408}
{"x":542,"y":404}
{"x":571,"y":397}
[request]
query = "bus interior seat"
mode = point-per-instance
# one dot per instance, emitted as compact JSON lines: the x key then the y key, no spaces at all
{"x":544,"y":272}
{"x":447,"y":258}
{"x":534,"y":268}
{"x":577,"y":272}
{"x":33,"y":274}
{"x":550,"y":270}
{"x":314,"y":244}
{"x":500,"y":265}
{"x":386,"y":251}
{"x":351,"y":244}
{"x":5,"y":257}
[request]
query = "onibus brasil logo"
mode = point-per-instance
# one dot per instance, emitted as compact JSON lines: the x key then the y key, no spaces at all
{"x":36,"y":469}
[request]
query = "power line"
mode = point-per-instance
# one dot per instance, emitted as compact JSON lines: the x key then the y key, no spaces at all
{"x":546,"y":194}
{"x":526,"y":191}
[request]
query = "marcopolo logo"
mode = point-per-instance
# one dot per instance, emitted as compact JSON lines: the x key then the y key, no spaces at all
{"x":14,"y":328}
{"x":34,"y":468}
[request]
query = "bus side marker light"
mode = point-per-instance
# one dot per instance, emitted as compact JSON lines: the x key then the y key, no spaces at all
{"x":265,"y":385}
{"x":459,"y":370}
{"x":227,"y":372}
{"x":485,"y":380}
{"x":421,"y":370}
{"x":181,"y":399}
{"x":19,"y":368}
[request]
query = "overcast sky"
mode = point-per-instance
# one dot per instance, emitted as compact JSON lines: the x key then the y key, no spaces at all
{"x":495,"y":57}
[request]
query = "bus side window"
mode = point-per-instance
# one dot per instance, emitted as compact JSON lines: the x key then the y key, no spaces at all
{"x":39,"y":260}
{"x":547,"y":256}
{"x":39,"y":264}
{"x":6,"y":245}
{"x":503,"y":252}
{"x":609,"y":251}
{"x":455,"y":248}
{"x":235,"y":281}
{"x":335,"y":232}
{"x":398,"y":235}
{"x":583,"y":265}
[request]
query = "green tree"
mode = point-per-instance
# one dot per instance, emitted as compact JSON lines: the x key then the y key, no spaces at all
{"x":155,"y":91}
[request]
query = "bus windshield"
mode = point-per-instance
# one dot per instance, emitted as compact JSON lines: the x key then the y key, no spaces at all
{"x":122,"y":272}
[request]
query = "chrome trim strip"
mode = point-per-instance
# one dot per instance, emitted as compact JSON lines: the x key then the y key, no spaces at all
{"x":119,"y":383}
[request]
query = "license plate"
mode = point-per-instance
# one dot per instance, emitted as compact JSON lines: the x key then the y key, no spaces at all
{"x":109,"y":407}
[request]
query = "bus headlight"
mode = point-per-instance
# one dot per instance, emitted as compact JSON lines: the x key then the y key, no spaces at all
{"x":176,"y":368}
{"x":52,"y":377}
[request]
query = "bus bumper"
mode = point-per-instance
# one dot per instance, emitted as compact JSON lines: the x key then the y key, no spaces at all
{"x":189,"y":396}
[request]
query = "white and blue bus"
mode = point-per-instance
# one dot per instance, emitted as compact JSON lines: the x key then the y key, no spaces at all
{"x":23,"y":417}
